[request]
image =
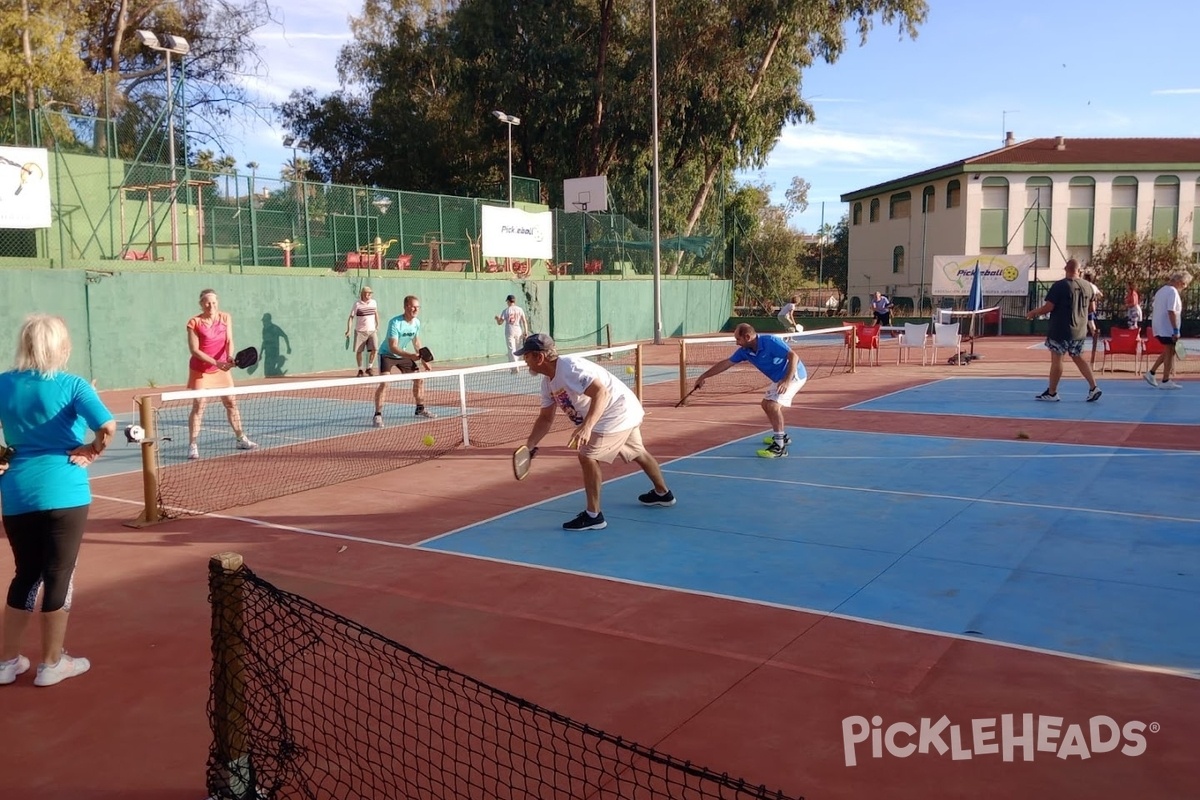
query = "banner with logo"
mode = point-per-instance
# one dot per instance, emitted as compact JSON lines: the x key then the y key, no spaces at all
{"x":513,"y":233}
{"x":1000,"y":275}
{"x":24,"y":190}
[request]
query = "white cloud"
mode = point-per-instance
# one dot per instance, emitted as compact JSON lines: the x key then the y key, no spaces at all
{"x":1175,"y":91}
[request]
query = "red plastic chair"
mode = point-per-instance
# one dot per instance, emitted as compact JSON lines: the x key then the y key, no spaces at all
{"x":1151,"y":346}
{"x":868,"y":339}
{"x":1126,"y":342}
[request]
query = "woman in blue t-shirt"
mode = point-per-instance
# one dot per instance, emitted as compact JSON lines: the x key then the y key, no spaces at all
{"x":44,"y":492}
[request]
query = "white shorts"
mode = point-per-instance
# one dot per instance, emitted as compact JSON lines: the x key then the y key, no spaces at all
{"x":784,"y":398}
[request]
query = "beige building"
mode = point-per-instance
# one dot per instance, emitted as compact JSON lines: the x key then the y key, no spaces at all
{"x":1054,"y":198}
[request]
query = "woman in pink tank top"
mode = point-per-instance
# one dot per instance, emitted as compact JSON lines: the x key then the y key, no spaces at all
{"x":210,"y":341}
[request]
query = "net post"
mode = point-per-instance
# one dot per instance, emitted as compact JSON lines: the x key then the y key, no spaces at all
{"x":462,"y":407}
{"x":607,"y":335}
{"x":230,"y":770}
{"x":853,"y":349}
{"x":150,"y":509}
{"x":682,"y":369}
{"x":637,"y":371}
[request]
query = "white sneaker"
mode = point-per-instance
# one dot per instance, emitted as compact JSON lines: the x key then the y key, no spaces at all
{"x":1170,"y":385}
{"x":377,"y":420}
{"x":67,"y":667}
{"x":1149,"y":378}
{"x":193,"y":452}
{"x":9,"y":670}
{"x":245,"y":444}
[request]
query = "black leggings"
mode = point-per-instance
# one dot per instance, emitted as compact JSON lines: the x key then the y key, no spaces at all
{"x":45,"y":545}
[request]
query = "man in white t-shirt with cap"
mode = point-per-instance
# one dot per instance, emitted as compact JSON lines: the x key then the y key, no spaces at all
{"x":607,"y":416}
{"x":516,"y":327}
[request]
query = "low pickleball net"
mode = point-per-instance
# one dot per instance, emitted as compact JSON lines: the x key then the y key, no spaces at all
{"x":823,"y":352}
{"x":305,"y":703}
{"x":321,"y":432}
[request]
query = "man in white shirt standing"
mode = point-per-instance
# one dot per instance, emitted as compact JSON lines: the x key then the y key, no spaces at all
{"x":364,"y":319}
{"x":516,"y":327}
{"x":607,"y":416}
{"x":1165,"y":316}
{"x":787,"y":315}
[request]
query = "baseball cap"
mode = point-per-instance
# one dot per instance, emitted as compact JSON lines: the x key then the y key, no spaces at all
{"x":535,"y":343}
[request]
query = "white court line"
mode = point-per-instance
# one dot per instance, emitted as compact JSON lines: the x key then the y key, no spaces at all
{"x":1174,"y":672}
{"x":932,"y":496}
{"x":987,"y":457}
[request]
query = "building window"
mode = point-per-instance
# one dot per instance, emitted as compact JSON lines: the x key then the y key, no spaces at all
{"x":875,"y":210}
{"x":953,"y":194}
{"x":1122,"y":215}
{"x":928,"y":204}
{"x":899,"y":206}
{"x":1165,"y":221}
{"x":858,"y":213}
{"x":1081,"y":213}
{"x":898,"y":259}
{"x":1039,"y":193}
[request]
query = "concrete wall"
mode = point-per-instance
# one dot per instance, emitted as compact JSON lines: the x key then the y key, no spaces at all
{"x":128,"y":327}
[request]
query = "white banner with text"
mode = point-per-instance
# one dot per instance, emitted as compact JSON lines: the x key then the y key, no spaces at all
{"x":1001,"y":275}
{"x":513,"y":233}
{"x":24,"y":190}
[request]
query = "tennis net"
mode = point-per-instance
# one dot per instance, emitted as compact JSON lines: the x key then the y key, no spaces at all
{"x":322,"y":432}
{"x":823,"y":351}
{"x":306,"y":703}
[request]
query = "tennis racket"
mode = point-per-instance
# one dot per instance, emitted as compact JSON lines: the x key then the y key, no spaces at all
{"x":522,"y":458}
{"x":1180,"y":349}
{"x":684,"y":399}
{"x":246,"y":358}
{"x":426,"y":354}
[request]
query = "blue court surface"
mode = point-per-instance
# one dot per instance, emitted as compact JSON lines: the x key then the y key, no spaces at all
{"x":1079,"y":550}
{"x":1123,"y":400}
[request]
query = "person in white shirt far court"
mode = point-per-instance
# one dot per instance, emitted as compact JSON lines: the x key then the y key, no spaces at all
{"x":516,"y":327}
{"x":364,"y":320}
{"x":1165,"y":317}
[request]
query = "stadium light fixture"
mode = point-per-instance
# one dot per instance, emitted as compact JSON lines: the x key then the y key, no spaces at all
{"x":508,"y":120}
{"x":169,"y":44}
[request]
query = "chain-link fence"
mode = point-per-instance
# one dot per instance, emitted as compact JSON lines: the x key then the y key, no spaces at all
{"x":117,"y":199}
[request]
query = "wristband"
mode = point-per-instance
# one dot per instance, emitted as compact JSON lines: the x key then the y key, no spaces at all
{"x":1176,"y":332}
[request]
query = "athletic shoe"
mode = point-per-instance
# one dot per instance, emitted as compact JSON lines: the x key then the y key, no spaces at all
{"x":370,"y":371}
{"x":245,"y":444}
{"x":193,"y":452}
{"x":653,"y":498}
{"x":1149,"y":378}
{"x":1048,"y":396}
{"x":360,"y":373}
{"x":586,"y":522}
{"x":1094,"y":394}
{"x":422,"y":412}
{"x":773,"y":450}
{"x":377,"y":420}
{"x":9,"y":670}
{"x":67,"y":667}
{"x":786,"y":440}
{"x":1170,"y":385}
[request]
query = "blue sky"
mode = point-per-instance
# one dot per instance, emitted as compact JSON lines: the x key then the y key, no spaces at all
{"x":1085,"y":68}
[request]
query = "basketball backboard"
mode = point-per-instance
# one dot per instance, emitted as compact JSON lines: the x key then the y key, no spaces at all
{"x":585,"y":194}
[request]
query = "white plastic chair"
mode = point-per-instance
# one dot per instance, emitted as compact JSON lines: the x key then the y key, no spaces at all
{"x":947,"y":335}
{"x":912,"y":337}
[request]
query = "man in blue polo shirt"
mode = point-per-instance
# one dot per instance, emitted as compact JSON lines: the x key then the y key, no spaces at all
{"x":771,"y":356}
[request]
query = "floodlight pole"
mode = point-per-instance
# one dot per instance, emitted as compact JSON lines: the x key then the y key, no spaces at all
{"x":169,"y":44}
{"x":656,"y":235}
{"x":508,"y":120}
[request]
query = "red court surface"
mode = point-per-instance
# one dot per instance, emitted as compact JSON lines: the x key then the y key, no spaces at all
{"x":746,"y":689}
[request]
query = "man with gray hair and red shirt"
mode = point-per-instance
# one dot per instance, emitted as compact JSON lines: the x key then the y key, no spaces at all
{"x":1069,"y":302}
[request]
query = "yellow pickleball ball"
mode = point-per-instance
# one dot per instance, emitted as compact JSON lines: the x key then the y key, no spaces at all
{"x":428,"y":441}
{"x":1010,"y":273}
{"x":629,"y":370}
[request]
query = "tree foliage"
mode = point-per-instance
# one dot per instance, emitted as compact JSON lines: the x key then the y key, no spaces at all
{"x":421,"y":80}
{"x":1138,"y":259}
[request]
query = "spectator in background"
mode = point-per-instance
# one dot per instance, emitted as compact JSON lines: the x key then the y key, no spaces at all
{"x":1097,"y":296}
{"x":1133,"y":307}
{"x":881,"y":307}
{"x":364,"y":318}
{"x":516,"y":327}
{"x":44,"y":487}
